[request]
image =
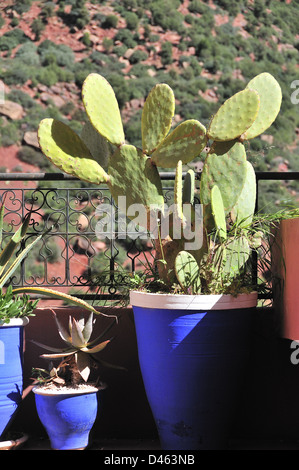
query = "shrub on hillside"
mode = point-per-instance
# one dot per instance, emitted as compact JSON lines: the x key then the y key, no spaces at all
{"x":12,"y":39}
{"x":63,"y":54}
{"x":27,"y":53}
{"x":126,"y":37}
{"x":137,"y":56}
{"x":132,"y":20}
{"x":110,"y":21}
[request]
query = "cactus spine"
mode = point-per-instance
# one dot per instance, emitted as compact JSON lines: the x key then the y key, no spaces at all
{"x":227,"y":188}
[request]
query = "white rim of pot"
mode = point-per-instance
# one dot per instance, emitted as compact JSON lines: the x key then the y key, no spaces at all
{"x":192,"y":302}
{"x":40,"y":390}
{"x":16,"y":322}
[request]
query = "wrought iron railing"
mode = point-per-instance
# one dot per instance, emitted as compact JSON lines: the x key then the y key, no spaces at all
{"x":71,"y":257}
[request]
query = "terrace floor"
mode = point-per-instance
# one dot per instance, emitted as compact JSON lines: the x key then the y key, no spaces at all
{"x":124,"y":445}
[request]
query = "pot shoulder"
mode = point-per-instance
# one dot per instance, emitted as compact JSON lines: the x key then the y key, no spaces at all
{"x":54,"y":391}
{"x":16,"y":322}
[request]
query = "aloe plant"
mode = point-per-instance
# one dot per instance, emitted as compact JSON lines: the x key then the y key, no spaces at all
{"x":227,"y":188}
{"x":12,"y":305}
{"x":76,"y":358}
{"x":7,"y":264}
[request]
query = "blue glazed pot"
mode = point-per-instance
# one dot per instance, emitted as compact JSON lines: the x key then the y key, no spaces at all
{"x":192,"y":353}
{"x":11,"y":369}
{"x":68,"y":417}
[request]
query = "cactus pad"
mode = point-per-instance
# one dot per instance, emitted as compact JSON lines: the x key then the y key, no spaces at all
{"x":102,"y":108}
{"x":133,"y":175}
{"x":157,"y":117}
{"x":270,"y":101}
{"x":187,"y":272}
{"x":218,"y":212}
{"x":237,"y":253}
{"x":243,"y":211}
{"x":64,"y":148}
{"x":98,"y":146}
{"x":226,"y":167}
{"x":178,"y":191}
{"x":235,"y":116}
{"x":189,"y":187}
{"x":184,"y":143}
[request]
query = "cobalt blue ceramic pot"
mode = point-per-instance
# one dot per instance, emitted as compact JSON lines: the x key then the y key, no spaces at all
{"x":11,"y":369}
{"x":193,"y":352}
{"x":67,"y":416}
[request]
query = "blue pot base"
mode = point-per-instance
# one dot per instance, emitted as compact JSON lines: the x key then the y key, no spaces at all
{"x":192,"y":364}
{"x":68,"y":419}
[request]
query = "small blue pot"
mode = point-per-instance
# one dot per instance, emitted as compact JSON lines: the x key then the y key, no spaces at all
{"x":11,"y":369}
{"x":67,"y":417}
{"x":192,"y":353}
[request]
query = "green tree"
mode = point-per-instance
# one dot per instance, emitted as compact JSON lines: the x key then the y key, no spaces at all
{"x":166,"y":53}
{"x":37,"y":28}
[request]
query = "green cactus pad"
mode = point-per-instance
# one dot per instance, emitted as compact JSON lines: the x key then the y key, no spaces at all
{"x":243,"y":211}
{"x":187,"y":272}
{"x":226,"y":167}
{"x":64,"y":148}
{"x":102,"y":108}
{"x":235,"y":116}
{"x":184,"y":143}
{"x":218,"y":212}
{"x":237,"y":253}
{"x":157,"y":115}
{"x":133,"y":175}
{"x":189,"y":187}
{"x":270,"y":101}
{"x":98,"y":146}
{"x":178,"y":191}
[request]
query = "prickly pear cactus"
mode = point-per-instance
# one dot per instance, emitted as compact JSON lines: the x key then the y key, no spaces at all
{"x":131,"y":172}
{"x":226,"y":167}
{"x":218,"y":212}
{"x":66,"y":150}
{"x":235,"y":116}
{"x":102,"y":108}
{"x":157,"y":115}
{"x":228,"y":184}
{"x":270,"y":95}
{"x":184,"y":143}
{"x":100,"y":155}
{"x":187,"y":272}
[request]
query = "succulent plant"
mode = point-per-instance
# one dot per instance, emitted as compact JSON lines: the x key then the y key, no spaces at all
{"x":76,"y":358}
{"x":227,"y":186}
{"x":12,"y":306}
{"x":8,"y":265}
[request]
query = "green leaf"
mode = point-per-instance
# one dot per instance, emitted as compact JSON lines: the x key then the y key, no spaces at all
{"x":87,"y":330}
{"x":61,"y":296}
{"x":64,"y":333}
{"x":9,"y":249}
{"x":17,"y":262}
{"x":77,"y":336}
{"x":97,"y":348}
